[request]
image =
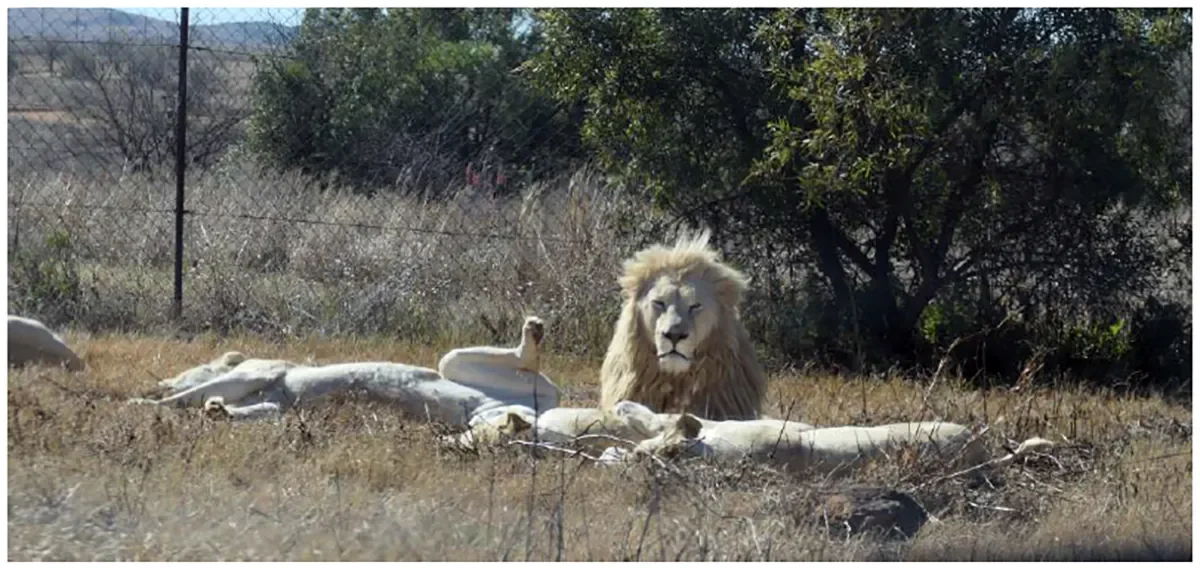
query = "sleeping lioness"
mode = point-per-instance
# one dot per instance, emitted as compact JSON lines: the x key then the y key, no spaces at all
{"x":818,"y":450}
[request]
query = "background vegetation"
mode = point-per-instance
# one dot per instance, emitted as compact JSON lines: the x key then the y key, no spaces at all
{"x":1001,"y":193}
{"x":1011,"y":188}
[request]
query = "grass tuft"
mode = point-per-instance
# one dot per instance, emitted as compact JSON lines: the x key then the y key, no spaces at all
{"x":91,"y":478}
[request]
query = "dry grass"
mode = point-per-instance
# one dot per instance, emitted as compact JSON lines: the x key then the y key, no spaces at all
{"x":90,"y":478}
{"x":279,"y":255}
{"x":287,"y":255}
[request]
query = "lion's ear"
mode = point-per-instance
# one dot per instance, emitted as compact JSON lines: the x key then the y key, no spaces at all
{"x":730,"y":286}
{"x":638,"y":270}
{"x":688,"y":425}
{"x":631,"y":285}
{"x":515,"y":424}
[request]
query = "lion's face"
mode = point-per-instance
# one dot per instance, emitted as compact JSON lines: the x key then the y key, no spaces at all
{"x":678,"y":314}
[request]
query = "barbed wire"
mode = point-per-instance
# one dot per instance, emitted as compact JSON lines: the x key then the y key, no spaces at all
{"x":98,"y":102}
{"x":281,"y":219}
{"x":265,"y":52}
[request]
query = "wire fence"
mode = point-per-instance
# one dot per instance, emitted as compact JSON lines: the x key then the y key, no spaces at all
{"x":289,"y":171}
{"x":455,"y":211}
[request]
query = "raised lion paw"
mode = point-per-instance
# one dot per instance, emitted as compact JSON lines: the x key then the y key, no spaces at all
{"x":535,"y":328}
{"x":215,"y":408}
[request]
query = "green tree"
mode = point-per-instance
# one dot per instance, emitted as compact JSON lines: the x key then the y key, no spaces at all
{"x":676,"y":101}
{"x":909,"y":153}
{"x":379,"y":95}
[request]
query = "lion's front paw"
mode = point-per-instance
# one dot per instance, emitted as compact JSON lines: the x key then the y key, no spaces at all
{"x":535,"y":328}
{"x":613,"y":456}
{"x":215,"y":408}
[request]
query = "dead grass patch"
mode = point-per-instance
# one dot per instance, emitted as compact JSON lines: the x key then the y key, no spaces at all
{"x":90,"y":478}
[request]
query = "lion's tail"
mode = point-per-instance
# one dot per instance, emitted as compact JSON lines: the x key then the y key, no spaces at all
{"x":1034,"y":444}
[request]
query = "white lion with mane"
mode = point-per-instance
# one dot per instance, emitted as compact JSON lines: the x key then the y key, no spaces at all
{"x":473,"y":381}
{"x":30,"y":341}
{"x":679,"y":344}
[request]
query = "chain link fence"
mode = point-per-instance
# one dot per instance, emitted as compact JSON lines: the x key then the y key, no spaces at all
{"x":306,"y":206}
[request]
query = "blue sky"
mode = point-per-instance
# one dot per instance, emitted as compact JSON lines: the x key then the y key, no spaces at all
{"x":202,"y":16}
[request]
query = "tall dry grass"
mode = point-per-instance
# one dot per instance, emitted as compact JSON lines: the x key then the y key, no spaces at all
{"x":90,"y":478}
{"x":284,"y":254}
{"x":287,"y":255}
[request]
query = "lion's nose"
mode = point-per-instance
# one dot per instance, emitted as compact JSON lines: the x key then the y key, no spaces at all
{"x":675,"y":336}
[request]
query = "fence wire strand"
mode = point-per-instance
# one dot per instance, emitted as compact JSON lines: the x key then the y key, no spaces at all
{"x":282,"y":221}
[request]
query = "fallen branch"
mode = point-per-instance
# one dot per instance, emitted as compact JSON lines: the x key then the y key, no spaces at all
{"x":1037,"y":481}
{"x":546,"y":446}
{"x":584,"y":437}
{"x":1024,"y":448}
{"x":992,"y":507}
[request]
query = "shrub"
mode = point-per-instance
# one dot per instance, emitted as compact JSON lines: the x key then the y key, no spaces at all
{"x":45,"y":282}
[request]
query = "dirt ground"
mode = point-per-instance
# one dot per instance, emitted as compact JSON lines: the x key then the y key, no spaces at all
{"x":90,"y":478}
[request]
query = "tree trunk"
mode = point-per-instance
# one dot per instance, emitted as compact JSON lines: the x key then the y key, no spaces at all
{"x":828,"y":261}
{"x":882,"y":317}
{"x":889,"y":324}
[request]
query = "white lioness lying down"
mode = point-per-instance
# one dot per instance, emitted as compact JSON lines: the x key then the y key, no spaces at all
{"x":30,"y":341}
{"x":593,"y":430}
{"x":475,"y":380}
{"x":226,"y":362}
{"x":817,"y":450}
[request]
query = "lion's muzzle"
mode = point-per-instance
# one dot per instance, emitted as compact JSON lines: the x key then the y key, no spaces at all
{"x":674,"y":362}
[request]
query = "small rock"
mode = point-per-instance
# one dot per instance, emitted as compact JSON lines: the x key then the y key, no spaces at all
{"x":878,"y":510}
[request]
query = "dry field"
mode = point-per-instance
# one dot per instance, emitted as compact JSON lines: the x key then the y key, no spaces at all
{"x":92,"y":479}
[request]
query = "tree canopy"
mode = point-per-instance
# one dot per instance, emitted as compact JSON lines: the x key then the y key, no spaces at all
{"x":939,"y":170}
{"x":407,"y":94}
{"x":904,"y":152}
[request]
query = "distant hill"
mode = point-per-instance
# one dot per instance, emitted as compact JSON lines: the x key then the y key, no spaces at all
{"x":94,"y":24}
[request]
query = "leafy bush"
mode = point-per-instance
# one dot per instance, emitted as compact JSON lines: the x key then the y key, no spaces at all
{"x":45,"y":280}
{"x":912,"y":157}
{"x":409,"y":98}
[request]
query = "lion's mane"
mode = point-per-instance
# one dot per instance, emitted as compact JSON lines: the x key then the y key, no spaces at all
{"x":726,"y":380}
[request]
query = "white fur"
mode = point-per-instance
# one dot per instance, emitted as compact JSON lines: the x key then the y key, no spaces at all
{"x":30,"y":341}
{"x":679,"y":309}
{"x":505,"y":373}
{"x":652,"y":424}
{"x":216,"y":406}
{"x":491,"y":379}
{"x":203,"y":373}
{"x":799,"y":447}
{"x":679,"y":344}
{"x":592,"y":429}
{"x":568,"y":425}
{"x":561,"y":426}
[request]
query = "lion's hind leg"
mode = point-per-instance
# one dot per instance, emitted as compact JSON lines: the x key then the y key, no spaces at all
{"x":215,"y":407}
{"x":230,"y":387}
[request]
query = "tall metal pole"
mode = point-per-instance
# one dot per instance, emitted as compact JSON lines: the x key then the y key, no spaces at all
{"x":180,"y":162}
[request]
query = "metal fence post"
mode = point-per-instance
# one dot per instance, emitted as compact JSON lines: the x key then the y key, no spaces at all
{"x":180,"y":161}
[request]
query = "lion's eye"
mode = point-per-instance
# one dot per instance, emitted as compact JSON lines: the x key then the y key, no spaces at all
{"x":658,"y":305}
{"x":697,"y":307}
